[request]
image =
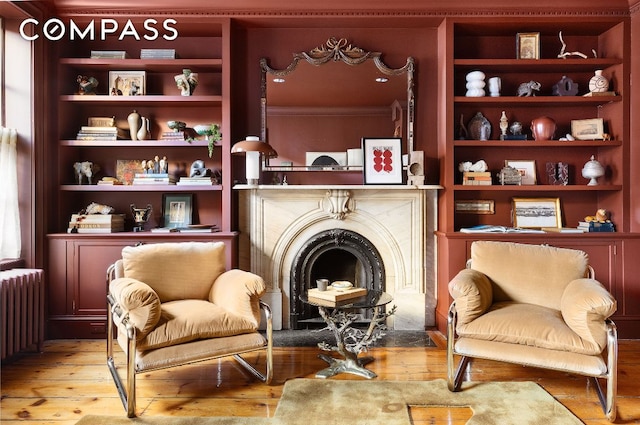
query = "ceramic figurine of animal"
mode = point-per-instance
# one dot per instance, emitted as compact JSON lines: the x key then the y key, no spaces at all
{"x":529,"y":88}
{"x":95,"y":208}
{"x":85,"y":169}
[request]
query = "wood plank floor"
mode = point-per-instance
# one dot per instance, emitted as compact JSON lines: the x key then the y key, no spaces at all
{"x":70,"y":379}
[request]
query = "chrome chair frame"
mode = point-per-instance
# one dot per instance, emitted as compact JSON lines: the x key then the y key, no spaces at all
{"x":127,"y":391}
{"x":455,"y":375}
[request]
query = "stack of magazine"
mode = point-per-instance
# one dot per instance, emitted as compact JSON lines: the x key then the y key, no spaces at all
{"x":157,"y":53}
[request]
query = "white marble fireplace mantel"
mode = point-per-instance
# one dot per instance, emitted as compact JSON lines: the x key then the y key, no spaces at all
{"x":400,"y":220}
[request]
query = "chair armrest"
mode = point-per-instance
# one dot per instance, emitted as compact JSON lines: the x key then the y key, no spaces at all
{"x":239,"y":292}
{"x":472,"y":293}
{"x":585,"y":306}
{"x":139,"y":303}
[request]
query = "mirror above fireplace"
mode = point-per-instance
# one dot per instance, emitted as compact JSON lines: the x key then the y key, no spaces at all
{"x":326,"y":100}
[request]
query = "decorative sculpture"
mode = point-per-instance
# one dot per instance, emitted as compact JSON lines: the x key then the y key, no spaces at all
{"x":186,"y":82}
{"x":529,"y":89}
{"x":86,"y":85}
{"x":85,"y":169}
{"x":140,"y":216}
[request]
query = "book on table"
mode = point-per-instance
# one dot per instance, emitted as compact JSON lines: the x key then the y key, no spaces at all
{"x":334,"y":295}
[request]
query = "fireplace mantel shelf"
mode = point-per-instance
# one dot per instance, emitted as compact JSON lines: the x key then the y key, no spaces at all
{"x":336,"y":186}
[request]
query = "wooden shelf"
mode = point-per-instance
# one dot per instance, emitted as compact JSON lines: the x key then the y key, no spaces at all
{"x":539,"y":188}
{"x":196,"y":65}
{"x":134,"y":143}
{"x":538,"y":66}
{"x":139,"y":188}
{"x":527,"y":144}
{"x":538,"y":100}
{"x":141,"y":100}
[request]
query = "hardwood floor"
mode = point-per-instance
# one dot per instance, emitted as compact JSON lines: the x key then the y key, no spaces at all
{"x":70,"y":379}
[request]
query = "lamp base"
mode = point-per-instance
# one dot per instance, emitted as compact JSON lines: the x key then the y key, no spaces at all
{"x":252,"y":182}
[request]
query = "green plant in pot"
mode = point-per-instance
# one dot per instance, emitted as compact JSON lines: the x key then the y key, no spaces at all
{"x":212,"y":134}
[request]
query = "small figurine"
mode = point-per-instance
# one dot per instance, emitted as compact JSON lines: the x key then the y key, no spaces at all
{"x":86,"y":85}
{"x":601,"y":216}
{"x":529,"y":89}
{"x":504,"y":125}
{"x":85,"y":169}
{"x":186,"y":82}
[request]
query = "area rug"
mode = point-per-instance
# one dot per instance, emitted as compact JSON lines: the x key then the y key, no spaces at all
{"x":343,"y":402}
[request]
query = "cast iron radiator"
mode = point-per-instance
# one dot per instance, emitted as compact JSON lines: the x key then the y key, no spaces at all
{"x":21,"y":311}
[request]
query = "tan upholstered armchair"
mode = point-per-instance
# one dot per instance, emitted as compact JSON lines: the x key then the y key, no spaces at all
{"x":533,"y":305}
{"x":174,"y":303}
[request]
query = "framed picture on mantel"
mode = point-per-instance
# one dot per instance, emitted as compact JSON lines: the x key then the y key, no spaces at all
{"x":382,"y":160}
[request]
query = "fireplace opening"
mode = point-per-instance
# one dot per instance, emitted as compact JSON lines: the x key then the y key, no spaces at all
{"x":335,"y":254}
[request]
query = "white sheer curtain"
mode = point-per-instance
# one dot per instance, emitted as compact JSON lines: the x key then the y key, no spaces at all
{"x":10,"y":242}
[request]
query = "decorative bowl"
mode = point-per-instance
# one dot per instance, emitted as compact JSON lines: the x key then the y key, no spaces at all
{"x":202,"y":129}
{"x":341,"y":285}
{"x":176,"y":125}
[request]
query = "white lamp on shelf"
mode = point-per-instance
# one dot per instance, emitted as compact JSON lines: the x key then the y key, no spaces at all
{"x":252,"y":147}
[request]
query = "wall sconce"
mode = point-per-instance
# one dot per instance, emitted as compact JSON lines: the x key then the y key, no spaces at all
{"x":252,"y":147}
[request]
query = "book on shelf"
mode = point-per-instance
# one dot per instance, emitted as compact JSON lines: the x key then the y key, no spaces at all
{"x":489,"y":228}
{"x":109,"y":183}
{"x":476,"y":178}
{"x":83,"y":225}
{"x":164,"y":230}
{"x":109,"y":54}
{"x":213,"y":229}
{"x":600,"y":93}
{"x":97,"y":218}
{"x":596,"y":226}
{"x":157,"y":53}
{"x":564,"y":230}
{"x":152,"y":178}
{"x":101,"y":133}
{"x":93,"y":230}
{"x":172,"y":135}
{"x":206,"y":181}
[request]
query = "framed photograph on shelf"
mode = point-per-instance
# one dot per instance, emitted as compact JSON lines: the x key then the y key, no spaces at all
{"x":475,"y":206}
{"x":528,"y":45}
{"x":536,"y":212}
{"x":591,"y":129}
{"x":127,"y":83}
{"x":526,"y":168}
{"x":382,"y":160}
{"x":177,"y":210}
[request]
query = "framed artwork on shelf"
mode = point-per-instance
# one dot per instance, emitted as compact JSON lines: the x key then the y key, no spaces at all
{"x":475,"y":206}
{"x":382,"y":160}
{"x":536,"y":212}
{"x":127,"y":83}
{"x":177,"y":210}
{"x":528,"y":45}
{"x":526,"y":168}
{"x":590,"y":129}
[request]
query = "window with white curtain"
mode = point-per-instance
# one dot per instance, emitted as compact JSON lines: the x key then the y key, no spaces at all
{"x":10,"y":241}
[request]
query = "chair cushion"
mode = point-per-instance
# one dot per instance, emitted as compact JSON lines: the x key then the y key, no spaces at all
{"x":190,"y":320}
{"x":140,"y":301}
{"x":585,"y":306}
{"x":473,"y":294}
{"x":535,"y":274}
{"x":176,"y":270}
{"x":527,"y":324}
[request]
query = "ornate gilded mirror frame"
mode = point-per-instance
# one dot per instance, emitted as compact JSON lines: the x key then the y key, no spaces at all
{"x":339,"y":50}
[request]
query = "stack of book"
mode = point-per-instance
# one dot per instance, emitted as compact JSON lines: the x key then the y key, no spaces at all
{"x":152,"y":178}
{"x":108,"y":54}
{"x":101,"y":133}
{"x":157,"y":53}
{"x":195,"y":228}
{"x":596,"y":226}
{"x":96,"y":223}
{"x":195,"y":181}
{"x":332,"y":297}
{"x":476,"y":178}
{"x":172,"y":135}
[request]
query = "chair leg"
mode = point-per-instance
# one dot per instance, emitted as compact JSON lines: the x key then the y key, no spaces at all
{"x":268,"y":375}
{"x":454,"y":379}
{"x":608,"y":401}
{"x":128,"y":394}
